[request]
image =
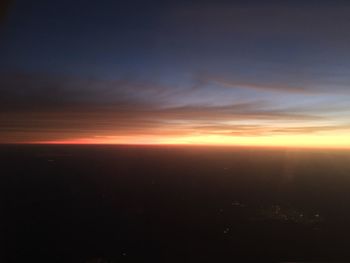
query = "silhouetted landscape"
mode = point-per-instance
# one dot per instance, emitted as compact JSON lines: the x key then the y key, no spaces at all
{"x":173,"y":203}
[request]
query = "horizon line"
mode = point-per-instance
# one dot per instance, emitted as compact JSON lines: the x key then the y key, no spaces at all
{"x":321,"y":147}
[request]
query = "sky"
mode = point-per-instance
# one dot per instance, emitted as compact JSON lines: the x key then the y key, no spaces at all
{"x":176,"y":72}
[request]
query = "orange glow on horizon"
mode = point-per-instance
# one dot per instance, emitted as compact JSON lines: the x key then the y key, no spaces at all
{"x":340,"y":141}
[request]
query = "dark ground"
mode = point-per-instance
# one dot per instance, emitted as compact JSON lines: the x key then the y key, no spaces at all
{"x":173,"y":204}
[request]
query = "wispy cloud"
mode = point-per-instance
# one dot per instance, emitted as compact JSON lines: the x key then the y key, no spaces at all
{"x":34,"y":107}
{"x":272,"y":87}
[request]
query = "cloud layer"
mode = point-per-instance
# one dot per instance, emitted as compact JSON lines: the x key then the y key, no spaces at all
{"x":47,"y":107}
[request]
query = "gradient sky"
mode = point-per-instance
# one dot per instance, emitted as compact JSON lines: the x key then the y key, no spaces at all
{"x":193,"y":72}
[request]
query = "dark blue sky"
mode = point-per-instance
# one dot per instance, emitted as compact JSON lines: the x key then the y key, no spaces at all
{"x":174,"y":69}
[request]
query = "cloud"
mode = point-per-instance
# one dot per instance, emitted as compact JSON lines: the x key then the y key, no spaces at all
{"x":271,"y":87}
{"x":276,"y":78}
{"x":43,"y":92}
{"x":48,"y":107}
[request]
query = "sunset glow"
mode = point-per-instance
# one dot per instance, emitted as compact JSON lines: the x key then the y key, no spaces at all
{"x":185,"y":73}
{"x":342,"y":141}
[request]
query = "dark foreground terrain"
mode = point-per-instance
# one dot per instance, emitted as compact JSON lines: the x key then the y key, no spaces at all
{"x":173,"y":204}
